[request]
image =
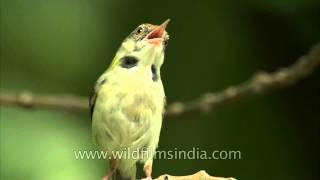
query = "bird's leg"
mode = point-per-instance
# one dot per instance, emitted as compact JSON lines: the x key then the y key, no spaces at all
{"x":148,"y":169}
{"x":113,"y":166}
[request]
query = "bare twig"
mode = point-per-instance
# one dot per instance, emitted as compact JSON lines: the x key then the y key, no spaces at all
{"x":261,"y":82}
{"x":28,"y":100}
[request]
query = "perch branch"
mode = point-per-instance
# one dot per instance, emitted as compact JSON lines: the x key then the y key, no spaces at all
{"x":259,"y":83}
{"x":201,"y":175}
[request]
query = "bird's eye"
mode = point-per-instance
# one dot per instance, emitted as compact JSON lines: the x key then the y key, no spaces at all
{"x":166,"y":42}
{"x":128,"y":62}
{"x":139,"y":31}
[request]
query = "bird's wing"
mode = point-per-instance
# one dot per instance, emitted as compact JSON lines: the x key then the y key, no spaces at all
{"x":94,"y":95}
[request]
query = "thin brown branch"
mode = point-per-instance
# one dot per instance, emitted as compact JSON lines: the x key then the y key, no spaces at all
{"x":28,"y":100}
{"x":259,"y":83}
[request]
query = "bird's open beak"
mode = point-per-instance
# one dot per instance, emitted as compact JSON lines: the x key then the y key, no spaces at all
{"x":158,"y":33}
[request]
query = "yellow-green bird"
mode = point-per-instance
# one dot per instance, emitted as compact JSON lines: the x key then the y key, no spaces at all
{"x":127,"y":103}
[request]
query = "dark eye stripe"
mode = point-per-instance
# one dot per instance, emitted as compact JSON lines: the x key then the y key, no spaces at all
{"x":128,"y":62}
{"x":154,"y":73}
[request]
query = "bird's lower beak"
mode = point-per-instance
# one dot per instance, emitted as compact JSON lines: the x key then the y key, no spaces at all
{"x":158,"y":33}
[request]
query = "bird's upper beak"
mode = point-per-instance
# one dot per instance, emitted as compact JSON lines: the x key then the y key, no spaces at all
{"x":158,"y":33}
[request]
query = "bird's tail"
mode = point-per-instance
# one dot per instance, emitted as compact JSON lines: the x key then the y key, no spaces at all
{"x":125,"y":173}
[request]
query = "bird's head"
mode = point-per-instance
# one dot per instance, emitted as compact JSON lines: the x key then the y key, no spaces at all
{"x":144,"y":48}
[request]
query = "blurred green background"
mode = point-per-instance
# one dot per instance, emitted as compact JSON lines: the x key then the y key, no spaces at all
{"x":62,"y":46}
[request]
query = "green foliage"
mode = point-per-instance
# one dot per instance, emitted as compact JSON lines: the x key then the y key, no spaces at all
{"x":63,"y":46}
